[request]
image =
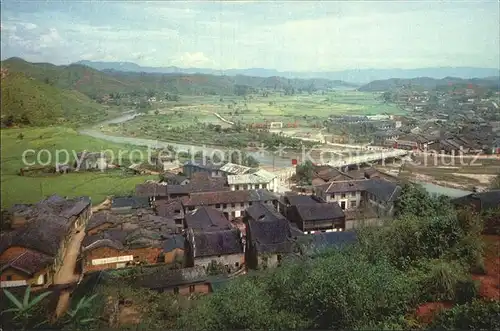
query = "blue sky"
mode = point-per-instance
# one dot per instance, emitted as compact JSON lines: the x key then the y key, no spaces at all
{"x":298,"y":36}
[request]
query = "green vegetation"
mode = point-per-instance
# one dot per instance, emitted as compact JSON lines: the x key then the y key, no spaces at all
{"x":98,"y":185}
{"x":29,"y":102}
{"x":478,"y":315}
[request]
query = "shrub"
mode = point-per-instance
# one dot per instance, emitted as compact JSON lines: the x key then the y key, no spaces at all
{"x":466,"y":290}
{"x":477,"y":315}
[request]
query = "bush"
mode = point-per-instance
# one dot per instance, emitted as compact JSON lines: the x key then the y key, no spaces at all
{"x":466,"y":291}
{"x":477,"y":315}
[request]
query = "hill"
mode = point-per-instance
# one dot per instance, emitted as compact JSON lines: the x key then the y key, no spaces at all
{"x":358,"y":76}
{"x":429,"y":83}
{"x":28,"y":101}
{"x":95,"y":83}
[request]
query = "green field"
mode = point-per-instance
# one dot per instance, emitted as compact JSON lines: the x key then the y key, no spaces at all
{"x":182,"y":123}
{"x":24,"y":189}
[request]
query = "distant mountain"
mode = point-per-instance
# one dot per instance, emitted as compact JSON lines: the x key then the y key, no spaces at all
{"x":357,"y":76}
{"x":97,"y":83}
{"x":430,"y":83}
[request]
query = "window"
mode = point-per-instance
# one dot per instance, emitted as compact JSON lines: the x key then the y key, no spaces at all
{"x":343,"y":196}
{"x":224,"y":206}
{"x":176,"y":290}
{"x":264,"y":185}
{"x":342,"y":205}
{"x":191,"y":288}
{"x":250,"y":203}
{"x":233,"y":205}
{"x":237,"y":264}
{"x":177,"y":211}
{"x":353,"y":194}
{"x":233,"y":213}
{"x":178,"y":222}
{"x":217,"y":205}
{"x":241,"y":204}
{"x":9,"y":277}
{"x":332,"y":196}
{"x":236,"y":187}
{"x":353,"y":204}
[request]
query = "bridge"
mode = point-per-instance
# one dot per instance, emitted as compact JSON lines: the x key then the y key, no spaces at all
{"x":367,"y":158}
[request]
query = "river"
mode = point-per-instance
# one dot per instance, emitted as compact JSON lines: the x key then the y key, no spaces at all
{"x":265,"y":159}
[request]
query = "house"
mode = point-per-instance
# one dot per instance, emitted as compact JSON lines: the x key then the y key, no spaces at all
{"x":42,"y":252}
{"x":479,"y":202}
{"x":99,"y":222}
{"x":374,"y":196}
{"x":90,"y":161}
{"x":128,"y":204}
{"x":325,"y":174}
{"x":231,"y":203}
{"x":118,"y":248}
{"x":317,"y":217}
{"x":184,"y":281}
{"x":152,"y":190}
{"x":174,"y":179}
{"x":173,"y":250}
{"x":171,"y":209}
{"x":269,"y":237}
{"x":292,"y":198}
{"x":206,"y":219}
{"x":257,"y":179}
{"x":223,"y":247}
{"x":214,"y":170}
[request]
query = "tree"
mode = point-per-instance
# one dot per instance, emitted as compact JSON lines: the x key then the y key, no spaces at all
{"x":305,"y":172}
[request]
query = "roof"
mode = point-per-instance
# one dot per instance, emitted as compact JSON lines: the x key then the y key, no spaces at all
{"x":173,"y":179}
{"x":203,"y":164}
{"x":173,"y":242}
{"x":300,"y":199}
{"x":203,"y":182}
{"x":29,"y":262}
{"x":384,"y":190}
{"x":488,"y":200}
{"x":100,"y":218}
{"x":215,"y":243}
{"x":343,"y":186}
{"x":441,"y":190}
{"x":212,"y":198}
{"x":207,"y":219}
{"x":49,"y":221}
{"x":168,"y":208}
{"x":269,"y":231}
{"x":132,"y":202}
{"x":150,"y":190}
{"x":318,"y":211}
{"x":235,"y":169}
{"x":170,"y":278}
{"x":89,"y":155}
{"x":259,"y":176}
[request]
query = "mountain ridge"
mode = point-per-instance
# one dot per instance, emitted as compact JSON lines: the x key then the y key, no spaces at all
{"x":354,"y":76}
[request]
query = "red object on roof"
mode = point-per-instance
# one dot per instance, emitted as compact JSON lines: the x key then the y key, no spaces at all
{"x":470,"y":86}
{"x":294,"y":161}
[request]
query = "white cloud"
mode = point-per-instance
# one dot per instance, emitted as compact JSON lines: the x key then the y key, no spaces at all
{"x":195,"y":59}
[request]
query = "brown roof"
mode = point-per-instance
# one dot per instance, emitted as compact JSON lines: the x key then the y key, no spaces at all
{"x":343,"y":186}
{"x":215,"y":243}
{"x":150,"y":190}
{"x":167,"y":208}
{"x":29,"y":262}
{"x":221,"y":197}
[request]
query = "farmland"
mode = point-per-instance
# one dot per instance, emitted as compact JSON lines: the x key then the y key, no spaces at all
{"x":97,"y":185}
{"x":304,"y":113}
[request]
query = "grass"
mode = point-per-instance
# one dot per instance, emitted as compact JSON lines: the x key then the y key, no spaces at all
{"x":24,"y":189}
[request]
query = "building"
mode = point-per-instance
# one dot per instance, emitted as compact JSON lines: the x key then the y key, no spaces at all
{"x":184,"y":281}
{"x":174,"y":250}
{"x":129,"y":204}
{"x":269,"y":237}
{"x":317,"y":217}
{"x":206,"y":219}
{"x":231,"y":203}
{"x":45,"y":250}
{"x":253,"y":180}
{"x":222,"y":247}
{"x":90,"y":161}
{"x":479,"y":202}
{"x":214,"y":170}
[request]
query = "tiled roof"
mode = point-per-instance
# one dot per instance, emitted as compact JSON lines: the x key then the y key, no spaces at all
{"x":260,"y":176}
{"x":384,"y":190}
{"x":167,"y":208}
{"x":150,"y":190}
{"x":489,"y":199}
{"x":207,"y":219}
{"x":29,"y":262}
{"x":215,"y":243}
{"x":132,"y":202}
{"x":212,"y":198}
{"x":173,"y":242}
{"x":46,"y":227}
{"x":203,"y":164}
{"x":100,"y":218}
{"x":318,"y":211}
{"x":343,"y":186}
{"x":270,"y":232}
